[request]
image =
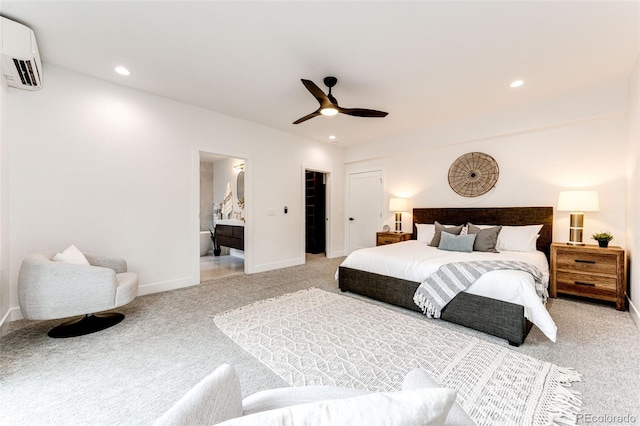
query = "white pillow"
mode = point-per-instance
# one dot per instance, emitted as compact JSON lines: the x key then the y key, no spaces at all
{"x":425,"y":232}
{"x":410,"y":407}
{"x":71,"y":255}
{"x":518,"y":238}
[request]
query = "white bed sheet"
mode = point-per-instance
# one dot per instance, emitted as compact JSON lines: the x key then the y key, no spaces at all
{"x":414,"y":261}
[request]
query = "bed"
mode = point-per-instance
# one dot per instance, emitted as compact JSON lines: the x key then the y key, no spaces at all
{"x":496,"y":317}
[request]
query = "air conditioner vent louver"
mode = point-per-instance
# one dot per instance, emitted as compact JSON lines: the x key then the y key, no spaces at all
{"x":28,"y":75}
{"x":21,"y":66}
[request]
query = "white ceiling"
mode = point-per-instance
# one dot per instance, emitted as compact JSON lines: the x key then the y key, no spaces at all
{"x":423,"y":62}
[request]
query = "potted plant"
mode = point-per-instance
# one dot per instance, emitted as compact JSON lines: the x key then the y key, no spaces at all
{"x":603,"y":238}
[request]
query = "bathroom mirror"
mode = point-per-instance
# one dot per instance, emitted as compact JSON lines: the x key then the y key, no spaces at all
{"x":240,"y":189}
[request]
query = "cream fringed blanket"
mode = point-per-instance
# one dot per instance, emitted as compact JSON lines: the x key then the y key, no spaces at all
{"x":314,"y":337}
{"x":451,"y":278}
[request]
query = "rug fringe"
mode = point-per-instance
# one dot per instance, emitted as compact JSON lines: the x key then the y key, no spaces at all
{"x":565,"y":404}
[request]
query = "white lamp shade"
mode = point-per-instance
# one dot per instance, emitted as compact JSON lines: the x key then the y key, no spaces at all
{"x":578,"y":201}
{"x":398,"y":205}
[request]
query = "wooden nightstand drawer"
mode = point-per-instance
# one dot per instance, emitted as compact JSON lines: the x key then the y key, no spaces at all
{"x":383,"y":238}
{"x":388,"y":239}
{"x":595,"y":263}
{"x":585,"y":282}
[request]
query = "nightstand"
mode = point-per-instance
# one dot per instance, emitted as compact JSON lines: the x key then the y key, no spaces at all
{"x":589,"y":271}
{"x":383,"y":238}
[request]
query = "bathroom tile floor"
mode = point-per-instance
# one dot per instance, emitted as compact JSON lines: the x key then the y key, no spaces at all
{"x":212,"y":267}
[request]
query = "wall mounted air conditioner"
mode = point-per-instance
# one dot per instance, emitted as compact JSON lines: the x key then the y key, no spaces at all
{"x":21,"y":66}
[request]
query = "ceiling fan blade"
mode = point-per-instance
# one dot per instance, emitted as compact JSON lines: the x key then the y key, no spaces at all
{"x":316,"y":92}
{"x":327,"y":101}
{"x":307,"y":117}
{"x":362,"y":112}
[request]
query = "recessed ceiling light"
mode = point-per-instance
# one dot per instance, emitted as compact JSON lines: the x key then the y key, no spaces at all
{"x":516,"y":83}
{"x":122,"y":71}
{"x":332,"y":137}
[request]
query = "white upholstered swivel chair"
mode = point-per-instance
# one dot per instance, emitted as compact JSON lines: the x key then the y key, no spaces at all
{"x":49,"y":290}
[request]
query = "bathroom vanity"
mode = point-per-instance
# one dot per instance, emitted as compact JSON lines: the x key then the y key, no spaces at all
{"x":228,"y":233}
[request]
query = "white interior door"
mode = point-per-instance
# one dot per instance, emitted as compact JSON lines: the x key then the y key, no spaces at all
{"x":365,"y":208}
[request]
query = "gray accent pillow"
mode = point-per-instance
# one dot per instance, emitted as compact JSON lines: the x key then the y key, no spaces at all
{"x":486,"y":238}
{"x":439,"y":229}
{"x":463,"y":243}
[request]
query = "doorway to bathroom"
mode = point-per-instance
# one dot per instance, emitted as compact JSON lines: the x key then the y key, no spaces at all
{"x":221,"y":215}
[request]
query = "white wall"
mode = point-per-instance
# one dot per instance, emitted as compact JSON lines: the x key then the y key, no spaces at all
{"x":575,"y":141}
{"x":633,"y":192}
{"x":115,"y":171}
{"x":5,"y":297}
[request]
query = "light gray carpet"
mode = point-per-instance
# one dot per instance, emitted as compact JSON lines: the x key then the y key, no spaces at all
{"x":132,"y":373}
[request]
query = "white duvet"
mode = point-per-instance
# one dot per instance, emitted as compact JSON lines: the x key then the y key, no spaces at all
{"x":414,"y":261}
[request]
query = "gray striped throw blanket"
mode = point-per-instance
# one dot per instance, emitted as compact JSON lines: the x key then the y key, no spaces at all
{"x":452,"y":278}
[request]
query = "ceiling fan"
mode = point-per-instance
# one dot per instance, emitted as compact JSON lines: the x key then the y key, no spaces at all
{"x":329,"y":105}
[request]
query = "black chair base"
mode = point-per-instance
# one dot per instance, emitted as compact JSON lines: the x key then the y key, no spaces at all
{"x":86,"y":325}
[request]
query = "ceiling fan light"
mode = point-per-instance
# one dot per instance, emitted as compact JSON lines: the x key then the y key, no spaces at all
{"x":329,"y":111}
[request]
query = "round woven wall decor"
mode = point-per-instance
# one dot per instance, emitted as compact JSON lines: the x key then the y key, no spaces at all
{"x":473,"y":174}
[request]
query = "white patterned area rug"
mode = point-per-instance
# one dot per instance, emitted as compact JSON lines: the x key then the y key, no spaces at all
{"x":314,"y":337}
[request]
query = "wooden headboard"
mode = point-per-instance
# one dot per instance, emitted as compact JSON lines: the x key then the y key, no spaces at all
{"x":512,"y":216}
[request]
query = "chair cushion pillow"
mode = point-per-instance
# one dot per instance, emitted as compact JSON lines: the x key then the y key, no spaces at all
{"x":412,"y":407}
{"x":71,"y":255}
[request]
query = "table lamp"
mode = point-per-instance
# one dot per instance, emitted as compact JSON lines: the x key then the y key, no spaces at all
{"x":398,"y":205}
{"x":577,"y":202}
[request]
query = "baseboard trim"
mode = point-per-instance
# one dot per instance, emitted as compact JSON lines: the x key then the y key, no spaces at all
{"x":13,"y":314}
{"x":166,"y":285}
{"x":633,"y":311}
{"x":335,"y":254}
{"x":278,"y":265}
{"x":4,"y":322}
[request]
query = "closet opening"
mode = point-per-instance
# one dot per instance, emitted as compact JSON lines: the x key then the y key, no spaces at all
{"x":315,"y":212}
